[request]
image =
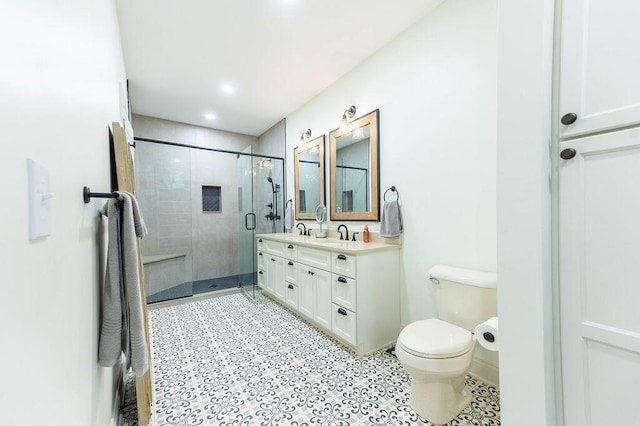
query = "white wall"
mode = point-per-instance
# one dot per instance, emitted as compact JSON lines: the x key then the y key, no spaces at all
{"x":435,"y":86}
{"x":524,"y":212}
{"x":59,"y":79}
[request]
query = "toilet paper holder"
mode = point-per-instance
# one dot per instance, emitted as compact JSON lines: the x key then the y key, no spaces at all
{"x":489,"y":337}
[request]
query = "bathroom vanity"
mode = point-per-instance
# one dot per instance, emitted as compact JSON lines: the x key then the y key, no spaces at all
{"x":349,"y":289}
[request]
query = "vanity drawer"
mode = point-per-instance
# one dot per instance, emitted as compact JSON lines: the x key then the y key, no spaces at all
{"x":291,"y":295}
{"x":344,"y":324}
{"x":261,"y":259}
{"x":290,"y":251}
{"x":274,"y":247}
{"x":343,"y":264}
{"x":312,"y":257}
{"x":291,"y":272}
{"x":343,"y":292}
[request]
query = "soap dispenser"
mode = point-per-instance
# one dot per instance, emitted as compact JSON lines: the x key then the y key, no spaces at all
{"x":365,"y":234}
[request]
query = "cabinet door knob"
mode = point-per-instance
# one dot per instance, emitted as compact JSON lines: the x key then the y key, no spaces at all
{"x":342,"y":279}
{"x":290,"y":286}
{"x":260,"y":272}
{"x":260,"y":240}
{"x":272,"y":259}
{"x":569,"y":118}
{"x":290,"y":263}
{"x":568,"y":154}
{"x":342,"y":311}
{"x":342,"y":257}
{"x":290,"y":246}
{"x":260,"y":254}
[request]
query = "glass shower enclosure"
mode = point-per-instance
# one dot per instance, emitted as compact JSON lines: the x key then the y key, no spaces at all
{"x":203,"y":208}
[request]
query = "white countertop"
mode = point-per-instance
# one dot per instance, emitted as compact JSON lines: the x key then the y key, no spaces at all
{"x":330,"y":244}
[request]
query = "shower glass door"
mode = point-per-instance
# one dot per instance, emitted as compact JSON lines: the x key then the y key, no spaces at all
{"x":246,"y":222}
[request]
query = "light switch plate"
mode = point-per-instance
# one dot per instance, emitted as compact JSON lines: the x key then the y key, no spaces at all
{"x":39,"y":200}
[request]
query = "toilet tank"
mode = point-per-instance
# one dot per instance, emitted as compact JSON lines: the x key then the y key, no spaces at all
{"x":464,"y":297}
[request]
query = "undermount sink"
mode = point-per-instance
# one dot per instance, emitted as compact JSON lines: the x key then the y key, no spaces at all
{"x":329,"y":243}
{"x":326,"y":242}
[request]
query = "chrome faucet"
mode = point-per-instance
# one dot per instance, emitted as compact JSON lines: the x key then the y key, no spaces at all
{"x":346,"y":236}
{"x":301,"y":231}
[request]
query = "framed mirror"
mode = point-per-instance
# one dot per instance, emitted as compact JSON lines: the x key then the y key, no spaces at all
{"x":309,"y":177}
{"x":354,"y":175}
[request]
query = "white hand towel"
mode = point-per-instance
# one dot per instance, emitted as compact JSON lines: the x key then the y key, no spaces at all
{"x":288,"y":218}
{"x":391,"y":223}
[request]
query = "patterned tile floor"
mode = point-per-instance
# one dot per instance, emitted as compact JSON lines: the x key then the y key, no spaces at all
{"x":231,"y":360}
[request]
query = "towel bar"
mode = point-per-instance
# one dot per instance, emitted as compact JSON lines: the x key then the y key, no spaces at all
{"x":87,"y":194}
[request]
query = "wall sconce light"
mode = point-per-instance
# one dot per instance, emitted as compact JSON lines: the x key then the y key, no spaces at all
{"x":304,"y":137}
{"x":346,"y":118}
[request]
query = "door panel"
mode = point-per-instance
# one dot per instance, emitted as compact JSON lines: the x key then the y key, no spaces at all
{"x":322,"y":299}
{"x":599,"y":65}
{"x":246,"y":223}
{"x":305,"y":291}
{"x":599,"y":274}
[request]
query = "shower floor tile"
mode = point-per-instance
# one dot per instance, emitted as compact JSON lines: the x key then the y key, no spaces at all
{"x":190,"y":288}
{"x":232,"y":360}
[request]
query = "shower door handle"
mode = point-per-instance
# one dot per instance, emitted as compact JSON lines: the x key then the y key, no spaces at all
{"x":246,"y":221}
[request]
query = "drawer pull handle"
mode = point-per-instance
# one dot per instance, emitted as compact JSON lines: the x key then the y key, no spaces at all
{"x":310,"y":273}
{"x":290,"y":286}
{"x":342,"y":257}
{"x":290,"y":246}
{"x":260,"y":240}
{"x":341,"y":311}
{"x":260,"y":272}
{"x":290,"y":263}
{"x":342,"y":279}
{"x":272,"y":259}
{"x":260,"y":254}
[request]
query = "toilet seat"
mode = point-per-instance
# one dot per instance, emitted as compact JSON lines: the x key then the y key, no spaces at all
{"x":434,"y":338}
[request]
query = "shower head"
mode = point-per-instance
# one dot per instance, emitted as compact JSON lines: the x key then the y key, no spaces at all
{"x":273,"y":189}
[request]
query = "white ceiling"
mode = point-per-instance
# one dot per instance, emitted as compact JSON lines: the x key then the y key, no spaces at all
{"x":278,"y":54}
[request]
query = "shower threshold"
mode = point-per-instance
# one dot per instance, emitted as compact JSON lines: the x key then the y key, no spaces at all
{"x":191,"y":288}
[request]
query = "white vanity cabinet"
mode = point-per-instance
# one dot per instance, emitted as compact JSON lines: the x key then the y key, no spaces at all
{"x":276,"y":276}
{"x":350,"y":290}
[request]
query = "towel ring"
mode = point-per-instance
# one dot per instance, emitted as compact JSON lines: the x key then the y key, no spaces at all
{"x":392,"y":189}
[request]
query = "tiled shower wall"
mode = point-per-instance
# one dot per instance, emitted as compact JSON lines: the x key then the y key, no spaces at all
{"x":170,"y":183}
{"x":163,"y":175}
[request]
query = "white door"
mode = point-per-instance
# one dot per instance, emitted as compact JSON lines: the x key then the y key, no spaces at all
{"x":600,"y":279}
{"x":599,"y":65}
{"x":322,"y":297}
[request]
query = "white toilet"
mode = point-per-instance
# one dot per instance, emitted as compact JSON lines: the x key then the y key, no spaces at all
{"x":437,"y":352}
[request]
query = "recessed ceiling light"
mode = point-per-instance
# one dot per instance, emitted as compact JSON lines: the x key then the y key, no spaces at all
{"x":227,"y":88}
{"x":210,"y":116}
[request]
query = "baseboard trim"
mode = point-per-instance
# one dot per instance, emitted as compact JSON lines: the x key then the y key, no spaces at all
{"x":484,"y":371}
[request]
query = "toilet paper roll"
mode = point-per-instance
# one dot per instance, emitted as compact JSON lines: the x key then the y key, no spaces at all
{"x":487,"y":334}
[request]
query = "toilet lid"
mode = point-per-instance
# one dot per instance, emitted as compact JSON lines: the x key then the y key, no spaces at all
{"x":434,"y":338}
